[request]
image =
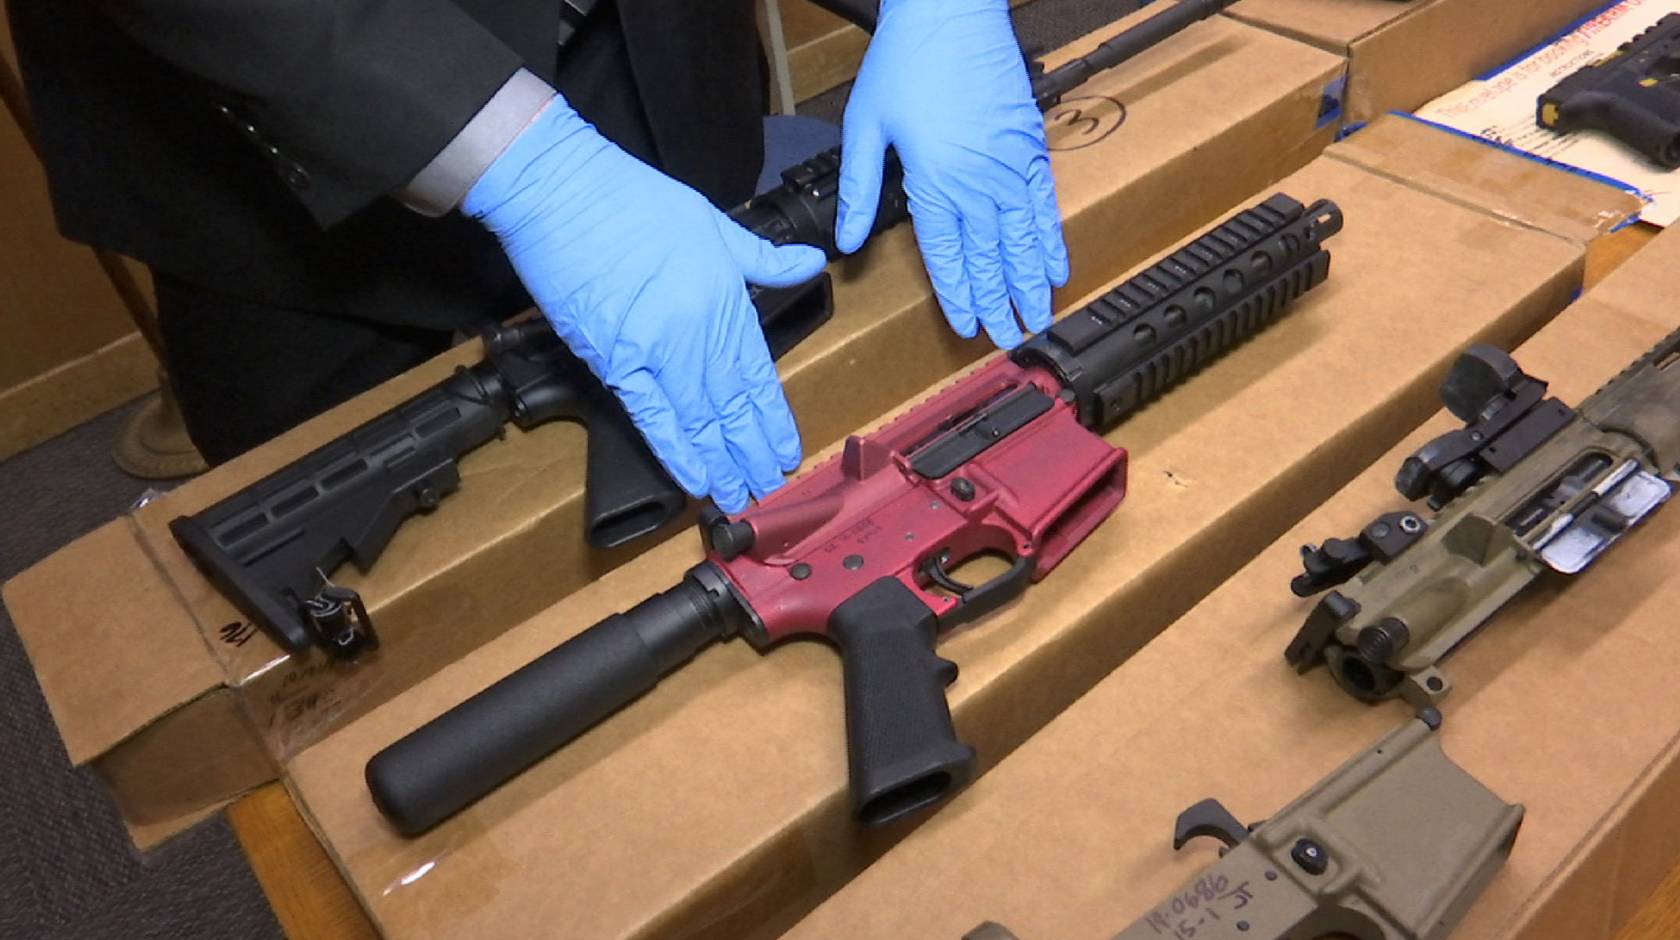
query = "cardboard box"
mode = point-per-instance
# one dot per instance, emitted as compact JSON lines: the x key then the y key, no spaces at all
{"x":1565,"y":702}
{"x":1522,"y":192}
{"x":717,"y":807}
{"x":1208,"y":117}
{"x":1401,"y":55}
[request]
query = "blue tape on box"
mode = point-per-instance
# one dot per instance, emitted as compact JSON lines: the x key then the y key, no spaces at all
{"x":1331,"y":100}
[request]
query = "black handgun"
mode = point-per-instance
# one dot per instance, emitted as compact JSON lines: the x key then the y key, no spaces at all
{"x":1634,"y":95}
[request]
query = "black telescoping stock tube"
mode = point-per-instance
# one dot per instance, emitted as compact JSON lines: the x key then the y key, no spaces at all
{"x":475,"y":747}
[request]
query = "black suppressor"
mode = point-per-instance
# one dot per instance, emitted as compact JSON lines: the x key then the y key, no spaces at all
{"x":468,"y":751}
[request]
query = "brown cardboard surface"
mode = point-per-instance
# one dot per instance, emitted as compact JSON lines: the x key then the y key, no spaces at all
{"x":93,"y":698}
{"x":1638,"y":287}
{"x":823,"y":50}
{"x":1211,"y":115}
{"x":169,"y":779}
{"x":162,"y":776}
{"x":1564,"y":703}
{"x":1401,"y":55}
{"x":716,"y":806}
{"x":1525,"y":192}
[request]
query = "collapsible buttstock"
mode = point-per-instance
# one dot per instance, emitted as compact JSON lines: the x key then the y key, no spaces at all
{"x":266,"y":546}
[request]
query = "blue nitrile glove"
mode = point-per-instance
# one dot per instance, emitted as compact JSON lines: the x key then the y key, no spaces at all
{"x":645,"y":281}
{"x":945,"y":85}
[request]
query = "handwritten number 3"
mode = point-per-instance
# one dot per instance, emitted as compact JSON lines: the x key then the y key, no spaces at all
{"x":1075,"y":117}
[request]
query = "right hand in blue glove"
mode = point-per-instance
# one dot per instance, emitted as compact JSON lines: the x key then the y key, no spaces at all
{"x":944,"y":85}
{"x":645,"y":281}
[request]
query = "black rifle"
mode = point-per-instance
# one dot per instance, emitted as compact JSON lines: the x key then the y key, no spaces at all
{"x":1634,"y":95}
{"x":271,"y":547}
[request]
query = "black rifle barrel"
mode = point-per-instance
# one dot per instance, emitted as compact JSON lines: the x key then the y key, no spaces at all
{"x":860,"y":13}
{"x":1051,"y":86}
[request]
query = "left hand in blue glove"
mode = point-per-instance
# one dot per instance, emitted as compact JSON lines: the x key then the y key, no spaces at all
{"x":944,"y":84}
{"x":647,"y":283}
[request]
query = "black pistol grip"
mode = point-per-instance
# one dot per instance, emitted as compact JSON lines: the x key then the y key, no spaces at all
{"x":901,"y":746}
{"x":790,"y":314}
{"x":895,"y":203}
{"x":467,"y":752}
{"x":1653,"y":135}
{"x":627,"y":493}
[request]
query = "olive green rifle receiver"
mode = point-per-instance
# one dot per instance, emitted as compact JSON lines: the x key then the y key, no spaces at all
{"x":1526,"y":486}
{"x":1395,"y":845}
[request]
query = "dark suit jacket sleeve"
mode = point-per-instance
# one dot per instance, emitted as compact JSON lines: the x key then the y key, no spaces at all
{"x":349,"y":98}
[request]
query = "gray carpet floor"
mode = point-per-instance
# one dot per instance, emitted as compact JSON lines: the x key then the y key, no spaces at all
{"x":67,"y":869}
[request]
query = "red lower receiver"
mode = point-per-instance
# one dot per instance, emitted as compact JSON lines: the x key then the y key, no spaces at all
{"x":996,"y":464}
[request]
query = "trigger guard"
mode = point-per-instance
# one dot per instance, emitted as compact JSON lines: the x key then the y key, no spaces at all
{"x":978,"y":601}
